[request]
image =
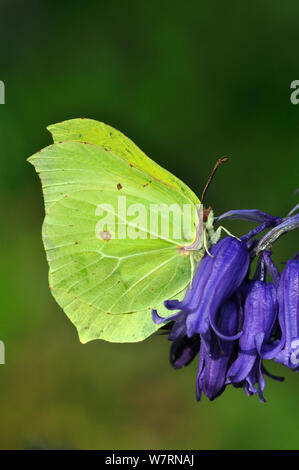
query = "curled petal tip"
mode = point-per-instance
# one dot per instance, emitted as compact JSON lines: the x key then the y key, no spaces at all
{"x":156,"y":318}
{"x":172,"y":304}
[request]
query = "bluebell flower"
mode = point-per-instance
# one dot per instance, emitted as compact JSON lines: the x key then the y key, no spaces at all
{"x":260,"y":312}
{"x":183,"y":350}
{"x":216,"y":279}
{"x":288,"y":298}
{"x":256,"y":376}
{"x":232,"y":320}
{"x":213,"y":366}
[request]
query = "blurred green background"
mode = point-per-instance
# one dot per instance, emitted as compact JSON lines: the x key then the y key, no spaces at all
{"x":188,"y":82}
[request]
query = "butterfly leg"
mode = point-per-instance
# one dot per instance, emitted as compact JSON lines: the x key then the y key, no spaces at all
{"x":216,"y":235}
{"x":193,"y":269}
{"x":205,"y":243}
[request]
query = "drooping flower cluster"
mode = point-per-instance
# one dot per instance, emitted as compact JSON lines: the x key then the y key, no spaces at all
{"x":236,"y":322}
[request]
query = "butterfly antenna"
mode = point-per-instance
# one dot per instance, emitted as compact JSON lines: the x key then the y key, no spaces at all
{"x":220,"y":161}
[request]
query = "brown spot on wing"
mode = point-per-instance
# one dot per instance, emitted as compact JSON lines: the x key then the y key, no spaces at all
{"x":183,"y":251}
{"x":106,"y":236}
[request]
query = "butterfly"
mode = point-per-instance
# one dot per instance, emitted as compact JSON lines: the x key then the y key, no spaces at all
{"x":114,"y":252}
